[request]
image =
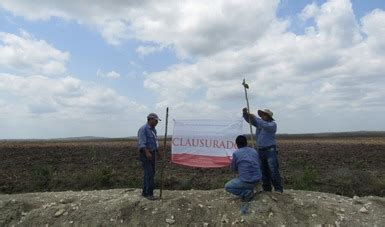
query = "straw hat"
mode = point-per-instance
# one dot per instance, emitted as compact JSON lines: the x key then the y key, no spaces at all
{"x":267,"y":112}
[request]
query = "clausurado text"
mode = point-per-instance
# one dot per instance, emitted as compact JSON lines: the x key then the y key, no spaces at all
{"x":208,"y":143}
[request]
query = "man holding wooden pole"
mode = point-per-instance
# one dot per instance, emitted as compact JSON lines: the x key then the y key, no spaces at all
{"x":266,"y":146}
{"x":266,"y":128}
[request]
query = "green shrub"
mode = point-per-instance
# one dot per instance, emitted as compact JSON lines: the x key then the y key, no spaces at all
{"x":186,"y":183}
{"x":41,"y":177}
{"x":103,"y":176}
{"x":306,"y":180}
{"x":379,"y":185}
{"x":134,"y":183}
{"x":95,"y":178}
{"x":304,"y":175}
{"x":360,"y":164}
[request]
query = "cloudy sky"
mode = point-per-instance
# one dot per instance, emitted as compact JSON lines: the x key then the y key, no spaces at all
{"x":97,"y":68}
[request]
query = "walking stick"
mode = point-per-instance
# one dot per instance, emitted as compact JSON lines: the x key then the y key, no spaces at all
{"x":164,"y":155}
{"x":246,"y":86}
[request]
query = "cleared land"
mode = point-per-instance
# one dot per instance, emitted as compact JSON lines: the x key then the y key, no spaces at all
{"x":337,"y":163}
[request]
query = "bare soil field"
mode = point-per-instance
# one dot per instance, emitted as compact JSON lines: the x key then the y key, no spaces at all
{"x":341,"y":164}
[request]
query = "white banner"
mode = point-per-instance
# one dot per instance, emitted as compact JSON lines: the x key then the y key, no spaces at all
{"x":204,"y":143}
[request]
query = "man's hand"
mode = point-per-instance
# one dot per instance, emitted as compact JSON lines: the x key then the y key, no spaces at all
{"x":148,"y":154}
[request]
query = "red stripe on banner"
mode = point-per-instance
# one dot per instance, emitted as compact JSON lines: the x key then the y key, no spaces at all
{"x":203,"y":161}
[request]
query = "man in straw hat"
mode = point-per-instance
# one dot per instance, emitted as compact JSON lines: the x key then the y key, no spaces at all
{"x":148,"y":148}
{"x":266,"y":146}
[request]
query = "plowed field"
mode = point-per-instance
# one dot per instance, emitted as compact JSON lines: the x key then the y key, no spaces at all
{"x":345,"y":165}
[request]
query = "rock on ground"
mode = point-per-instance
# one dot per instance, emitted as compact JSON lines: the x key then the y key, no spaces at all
{"x":193,"y":207}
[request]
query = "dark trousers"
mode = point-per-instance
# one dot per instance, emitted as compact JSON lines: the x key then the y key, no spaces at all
{"x":270,"y":169}
{"x":149,"y":174}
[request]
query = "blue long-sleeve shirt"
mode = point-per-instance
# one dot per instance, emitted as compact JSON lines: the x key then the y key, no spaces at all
{"x":265,"y":130}
{"x":147,"y":138}
{"x":246,"y":162}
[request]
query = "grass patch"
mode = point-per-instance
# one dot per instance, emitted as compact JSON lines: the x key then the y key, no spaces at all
{"x":306,"y":180}
{"x":42,"y":177}
{"x":134,"y":183}
{"x":103,"y":176}
{"x":360,"y":164}
{"x":350,"y":182}
{"x":304,"y":177}
{"x":99,"y":177}
{"x":379,"y":186}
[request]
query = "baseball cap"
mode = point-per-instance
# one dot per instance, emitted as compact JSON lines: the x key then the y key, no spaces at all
{"x":153,"y":116}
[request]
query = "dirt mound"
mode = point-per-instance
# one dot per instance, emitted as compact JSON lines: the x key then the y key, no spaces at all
{"x":191,"y":208}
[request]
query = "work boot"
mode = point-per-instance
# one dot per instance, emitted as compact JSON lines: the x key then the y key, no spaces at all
{"x":248,"y":197}
{"x":150,"y":197}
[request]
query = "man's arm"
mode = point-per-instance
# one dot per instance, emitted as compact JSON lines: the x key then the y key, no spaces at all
{"x":247,"y":116}
{"x":233,"y":165}
{"x":142,"y":140}
{"x":268,"y":126}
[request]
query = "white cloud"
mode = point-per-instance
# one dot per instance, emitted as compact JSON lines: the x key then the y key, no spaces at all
{"x":333,"y":69}
{"x":109,"y":75}
{"x":326,"y":87}
{"x":34,"y":103}
{"x":201,"y":28}
{"x":374,"y":27}
{"x":336,"y":66}
{"x":337,"y":21}
{"x":114,"y":31}
{"x":42,"y":100}
{"x":66,"y":95}
{"x":25,"y":54}
{"x":146,"y":50}
{"x":309,"y":11}
{"x":193,"y":28}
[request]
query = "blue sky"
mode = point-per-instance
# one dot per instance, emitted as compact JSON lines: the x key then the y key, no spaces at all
{"x":96,"y":68}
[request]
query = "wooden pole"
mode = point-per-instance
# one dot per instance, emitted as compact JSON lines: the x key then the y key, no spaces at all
{"x":164,"y":156}
{"x":246,"y":86}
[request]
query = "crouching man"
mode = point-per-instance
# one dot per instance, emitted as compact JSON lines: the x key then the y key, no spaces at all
{"x":246,"y":163}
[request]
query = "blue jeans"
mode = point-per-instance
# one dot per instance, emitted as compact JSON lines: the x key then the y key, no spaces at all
{"x":149,"y":174}
{"x":270,"y":169}
{"x":239,"y":188}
